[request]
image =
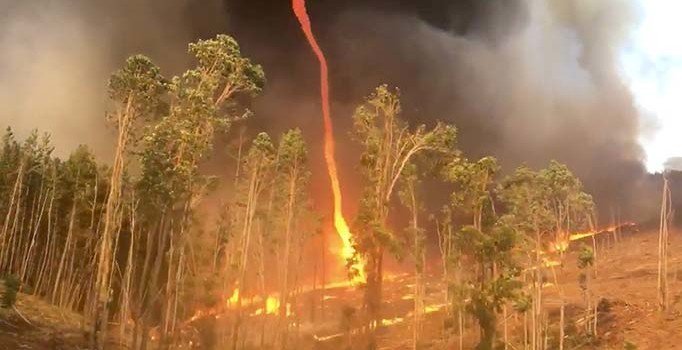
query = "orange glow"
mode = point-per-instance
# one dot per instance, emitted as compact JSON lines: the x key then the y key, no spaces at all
{"x":232,"y":300}
{"x":562,"y":246}
{"x":272,"y":305}
{"x":559,"y":246}
{"x":340,"y":224}
{"x":610,"y":229}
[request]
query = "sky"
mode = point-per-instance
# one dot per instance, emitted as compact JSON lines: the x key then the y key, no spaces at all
{"x":652,"y":63}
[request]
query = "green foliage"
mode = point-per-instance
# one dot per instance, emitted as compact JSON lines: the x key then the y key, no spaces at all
{"x":495,"y":275}
{"x":629,"y":346}
{"x":549,"y":200}
{"x":203,"y":100}
{"x":391,"y":148}
{"x":222,"y":56}
{"x":472,"y":182}
{"x":139,"y":87}
{"x":11,"y":288}
{"x":586,"y":257}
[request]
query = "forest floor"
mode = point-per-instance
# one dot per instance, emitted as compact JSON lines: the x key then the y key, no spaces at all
{"x":626,"y":281}
{"x":35,"y":324}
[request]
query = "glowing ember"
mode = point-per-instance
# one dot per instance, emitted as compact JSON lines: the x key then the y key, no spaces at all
{"x":340,"y":224}
{"x":392,"y":321}
{"x":551,"y":263}
{"x":272,"y":305}
{"x":429,"y":309}
{"x":562,"y":246}
{"x":232,"y":300}
{"x":611,"y":229}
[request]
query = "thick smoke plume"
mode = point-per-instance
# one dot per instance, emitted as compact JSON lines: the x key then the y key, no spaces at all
{"x":524,"y":80}
{"x":58,"y":55}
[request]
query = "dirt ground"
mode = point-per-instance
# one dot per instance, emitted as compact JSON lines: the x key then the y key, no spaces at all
{"x":35,"y":324}
{"x":626,"y":278}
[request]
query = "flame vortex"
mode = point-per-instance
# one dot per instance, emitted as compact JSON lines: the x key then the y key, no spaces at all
{"x":340,"y":224}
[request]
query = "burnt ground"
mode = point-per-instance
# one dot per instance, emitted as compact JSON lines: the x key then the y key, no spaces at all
{"x":626,"y":281}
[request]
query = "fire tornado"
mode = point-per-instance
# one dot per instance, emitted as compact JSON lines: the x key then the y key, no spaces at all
{"x":329,"y":153}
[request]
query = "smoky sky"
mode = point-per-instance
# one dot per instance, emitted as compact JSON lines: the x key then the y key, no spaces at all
{"x":524,"y":80}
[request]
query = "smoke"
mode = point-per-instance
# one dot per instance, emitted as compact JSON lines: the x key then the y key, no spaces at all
{"x":527,"y":81}
{"x":524,"y":80}
{"x":58,"y":55}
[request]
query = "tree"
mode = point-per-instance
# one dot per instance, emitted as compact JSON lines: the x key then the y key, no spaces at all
{"x":415,"y":233}
{"x":138,"y":89}
{"x":549,"y":201}
{"x":202,"y":103}
{"x":663,"y":243}
{"x":293,"y":176}
{"x":495,"y":275}
{"x":258,"y":166}
{"x":585,"y":262}
{"x":473,"y":181}
{"x":389,"y":144}
{"x":523,"y":195}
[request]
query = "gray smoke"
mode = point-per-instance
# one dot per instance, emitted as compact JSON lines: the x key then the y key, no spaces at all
{"x":58,"y":55}
{"x":539,"y":83}
{"x":524,"y":80}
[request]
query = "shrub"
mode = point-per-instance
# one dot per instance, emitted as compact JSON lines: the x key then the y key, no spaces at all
{"x":8,"y":294}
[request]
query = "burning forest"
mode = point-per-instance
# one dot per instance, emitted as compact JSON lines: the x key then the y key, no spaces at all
{"x":339,"y":175}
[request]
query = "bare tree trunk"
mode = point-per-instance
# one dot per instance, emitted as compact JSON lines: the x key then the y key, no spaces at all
{"x":100,"y":317}
{"x":12,"y":209}
{"x":62,"y":260}
{"x":124,"y":314}
{"x":663,"y":243}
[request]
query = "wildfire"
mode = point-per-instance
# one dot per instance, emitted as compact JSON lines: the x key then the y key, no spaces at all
{"x":347,"y":251}
{"x":610,"y":229}
{"x":562,"y":246}
{"x":272,"y":305}
{"x":232,"y":300}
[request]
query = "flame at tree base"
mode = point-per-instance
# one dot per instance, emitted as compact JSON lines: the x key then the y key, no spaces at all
{"x":347,"y":251}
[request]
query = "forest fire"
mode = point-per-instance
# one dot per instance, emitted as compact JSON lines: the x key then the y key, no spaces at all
{"x":563,"y":245}
{"x":610,"y":229}
{"x":467,"y":214}
{"x":347,"y":251}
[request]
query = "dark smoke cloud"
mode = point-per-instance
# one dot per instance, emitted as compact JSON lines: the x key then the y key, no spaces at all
{"x":525,"y":80}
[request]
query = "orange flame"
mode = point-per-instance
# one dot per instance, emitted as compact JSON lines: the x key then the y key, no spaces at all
{"x":562,"y":245}
{"x":232,"y":300}
{"x":610,"y":229}
{"x":340,"y":224}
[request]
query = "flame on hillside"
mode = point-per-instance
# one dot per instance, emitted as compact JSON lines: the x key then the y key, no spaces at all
{"x":563,"y":245}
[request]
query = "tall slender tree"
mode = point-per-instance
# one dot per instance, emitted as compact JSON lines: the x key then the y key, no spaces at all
{"x":389,"y":144}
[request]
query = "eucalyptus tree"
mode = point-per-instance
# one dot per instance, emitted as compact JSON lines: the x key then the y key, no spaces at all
{"x":410,"y":197}
{"x":389,"y":144}
{"x":491,"y":254}
{"x":138,"y":90}
{"x":473,"y":182}
{"x":81,"y":202}
{"x":202,"y":103}
{"x":585,"y":264}
{"x":258,"y":166}
{"x":293,"y":175}
{"x":549,"y":202}
{"x":524,"y":197}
